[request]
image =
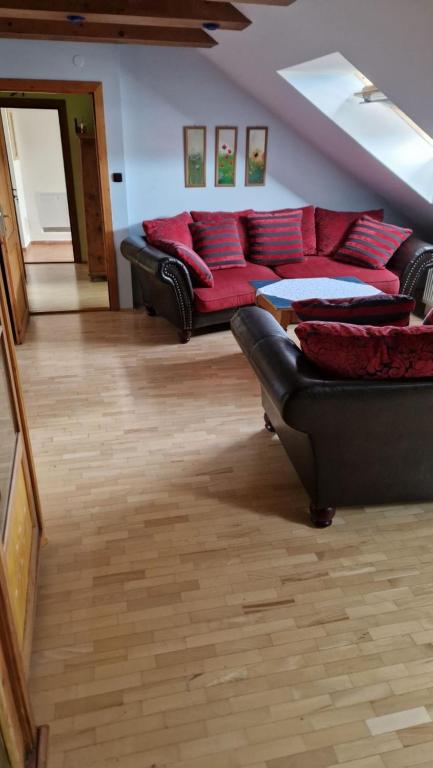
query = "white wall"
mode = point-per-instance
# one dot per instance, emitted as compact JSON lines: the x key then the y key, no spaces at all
{"x":149,"y":95}
{"x":17,"y":180}
{"x":39,"y":145}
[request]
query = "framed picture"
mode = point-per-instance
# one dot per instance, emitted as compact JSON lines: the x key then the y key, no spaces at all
{"x":256,"y":156}
{"x":194,"y":149}
{"x":226,"y":143}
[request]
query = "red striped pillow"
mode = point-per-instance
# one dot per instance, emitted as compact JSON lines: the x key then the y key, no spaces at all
{"x":199,"y":272}
{"x":275,"y":238}
{"x":371,"y":243}
{"x":382,"y":309}
{"x":218,"y":243}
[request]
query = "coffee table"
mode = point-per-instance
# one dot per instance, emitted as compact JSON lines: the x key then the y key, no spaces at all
{"x":277,"y":297}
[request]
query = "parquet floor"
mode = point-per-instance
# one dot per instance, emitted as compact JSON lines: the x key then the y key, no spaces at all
{"x":188,"y":616}
{"x":64,"y":288}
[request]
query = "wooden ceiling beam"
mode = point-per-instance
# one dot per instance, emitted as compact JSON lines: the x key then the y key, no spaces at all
{"x":158,"y":13}
{"x":89,"y":32}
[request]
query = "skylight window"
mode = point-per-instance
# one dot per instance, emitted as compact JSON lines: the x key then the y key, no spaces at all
{"x":357,"y":106}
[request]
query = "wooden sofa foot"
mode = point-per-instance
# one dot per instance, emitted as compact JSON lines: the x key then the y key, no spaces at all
{"x":268,"y":423}
{"x":184,"y":336}
{"x":321,"y":517}
{"x":151,"y":311}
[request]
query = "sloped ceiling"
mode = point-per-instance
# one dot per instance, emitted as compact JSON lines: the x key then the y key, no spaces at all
{"x":390,"y":41}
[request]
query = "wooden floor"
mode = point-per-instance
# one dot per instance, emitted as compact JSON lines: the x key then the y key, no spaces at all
{"x":64,"y":288}
{"x":49,"y":253}
{"x":188,"y":616}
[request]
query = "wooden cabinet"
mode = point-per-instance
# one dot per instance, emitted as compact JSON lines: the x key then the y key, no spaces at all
{"x":93,"y":207}
{"x":20,"y":538}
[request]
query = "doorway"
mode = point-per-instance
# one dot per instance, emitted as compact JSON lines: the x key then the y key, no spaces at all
{"x":54,"y":146}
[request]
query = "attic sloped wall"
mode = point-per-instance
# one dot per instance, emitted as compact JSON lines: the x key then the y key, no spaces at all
{"x":389,"y":41}
{"x":149,"y":94}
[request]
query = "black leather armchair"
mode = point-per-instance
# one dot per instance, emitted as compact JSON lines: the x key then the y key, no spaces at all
{"x":162,"y":285}
{"x":351,"y":442}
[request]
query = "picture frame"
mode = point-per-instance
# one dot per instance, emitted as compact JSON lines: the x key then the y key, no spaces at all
{"x":256,"y":156}
{"x":194,"y":151}
{"x":226,"y":146}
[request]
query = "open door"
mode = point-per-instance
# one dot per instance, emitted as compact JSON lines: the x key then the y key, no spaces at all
{"x":11,"y":253}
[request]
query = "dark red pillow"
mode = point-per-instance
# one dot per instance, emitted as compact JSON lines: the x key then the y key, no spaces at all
{"x":275,"y":238}
{"x":367,"y":352}
{"x":381,"y":309}
{"x":174,"y":228}
{"x":371,"y":243}
{"x":216,"y":216}
{"x":333,"y":226}
{"x":428,"y":320}
{"x":199,"y":272}
{"x":218,"y":244}
{"x":308,"y":227}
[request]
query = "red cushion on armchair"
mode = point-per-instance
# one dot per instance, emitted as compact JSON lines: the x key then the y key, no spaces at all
{"x":367,"y":352}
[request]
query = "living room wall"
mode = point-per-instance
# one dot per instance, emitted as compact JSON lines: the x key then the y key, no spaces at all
{"x":149,"y":95}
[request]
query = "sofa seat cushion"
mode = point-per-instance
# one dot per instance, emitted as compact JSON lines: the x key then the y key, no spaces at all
{"x":321,"y":266}
{"x":367,"y":352}
{"x":232,"y":288}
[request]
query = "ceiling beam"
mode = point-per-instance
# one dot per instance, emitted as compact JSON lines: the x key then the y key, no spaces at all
{"x":158,"y":13}
{"x":104,"y":33}
{"x":264,"y":2}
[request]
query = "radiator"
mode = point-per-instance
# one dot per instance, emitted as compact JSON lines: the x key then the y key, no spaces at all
{"x":428,"y":290}
{"x":53,"y":211}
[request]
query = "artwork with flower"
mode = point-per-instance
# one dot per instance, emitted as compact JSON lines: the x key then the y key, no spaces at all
{"x":256,"y":156}
{"x":225,"y":156}
{"x":194,"y":138}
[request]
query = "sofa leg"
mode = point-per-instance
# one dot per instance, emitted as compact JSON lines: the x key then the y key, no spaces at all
{"x":268,"y":423}
{"x":321,"y":517}
{"x":184,"y":336}
{"x":151,"y":311}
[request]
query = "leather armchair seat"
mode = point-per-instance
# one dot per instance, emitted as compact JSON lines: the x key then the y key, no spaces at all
{"x":352,"y":442}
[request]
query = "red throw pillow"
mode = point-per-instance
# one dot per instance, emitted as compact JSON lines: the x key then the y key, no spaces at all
{"x":428,"y":320}
{"x":367,"y":352}
{"x":199,"y":272}
{"x":174,"y":228}
{"x":333,"y":226}
{"x":382,"y":309}
{"x":275,"y":238}
{"x":371,"y":243}
{"x":216,"y":216}
{"x":218,"y":244}
{"x":308,"y":227}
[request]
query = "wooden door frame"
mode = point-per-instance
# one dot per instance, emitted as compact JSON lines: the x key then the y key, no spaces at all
{"x":95,"y":90}
{"x":60,"y":107}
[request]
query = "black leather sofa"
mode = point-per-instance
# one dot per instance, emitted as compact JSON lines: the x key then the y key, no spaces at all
{"x":162,"y":285}
{"x":353,"y":443}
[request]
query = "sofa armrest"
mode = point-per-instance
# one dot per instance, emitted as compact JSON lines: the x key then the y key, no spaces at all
{"x":410,"y":262}
{"x":162,"y":282}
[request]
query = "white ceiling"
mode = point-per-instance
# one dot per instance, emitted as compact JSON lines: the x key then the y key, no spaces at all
{"x":390,"y":41}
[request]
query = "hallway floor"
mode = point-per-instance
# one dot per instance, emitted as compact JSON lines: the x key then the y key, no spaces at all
{"x":64,"y":287}
{"x":49,"y":253}
{"x":188,"y":616}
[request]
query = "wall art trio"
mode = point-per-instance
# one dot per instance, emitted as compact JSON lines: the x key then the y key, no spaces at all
{"x":226,"y":140}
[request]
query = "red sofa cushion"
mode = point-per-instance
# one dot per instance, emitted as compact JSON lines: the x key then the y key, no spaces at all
{"x":217,"y":216}
{"x":332,"y":227}
{"x":381,"y":309}
{"x":428,"y":320}
{"x":367,"y":352}
{"x":232,"y":288}
{"x":218,"y":244}
{"x":308,"y":227}
{"x":371,"y":243}
{"x":199,"y":272}
{"x":174,"y":228}
{"x":382,"y":279}
{"x":275,"y":238}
